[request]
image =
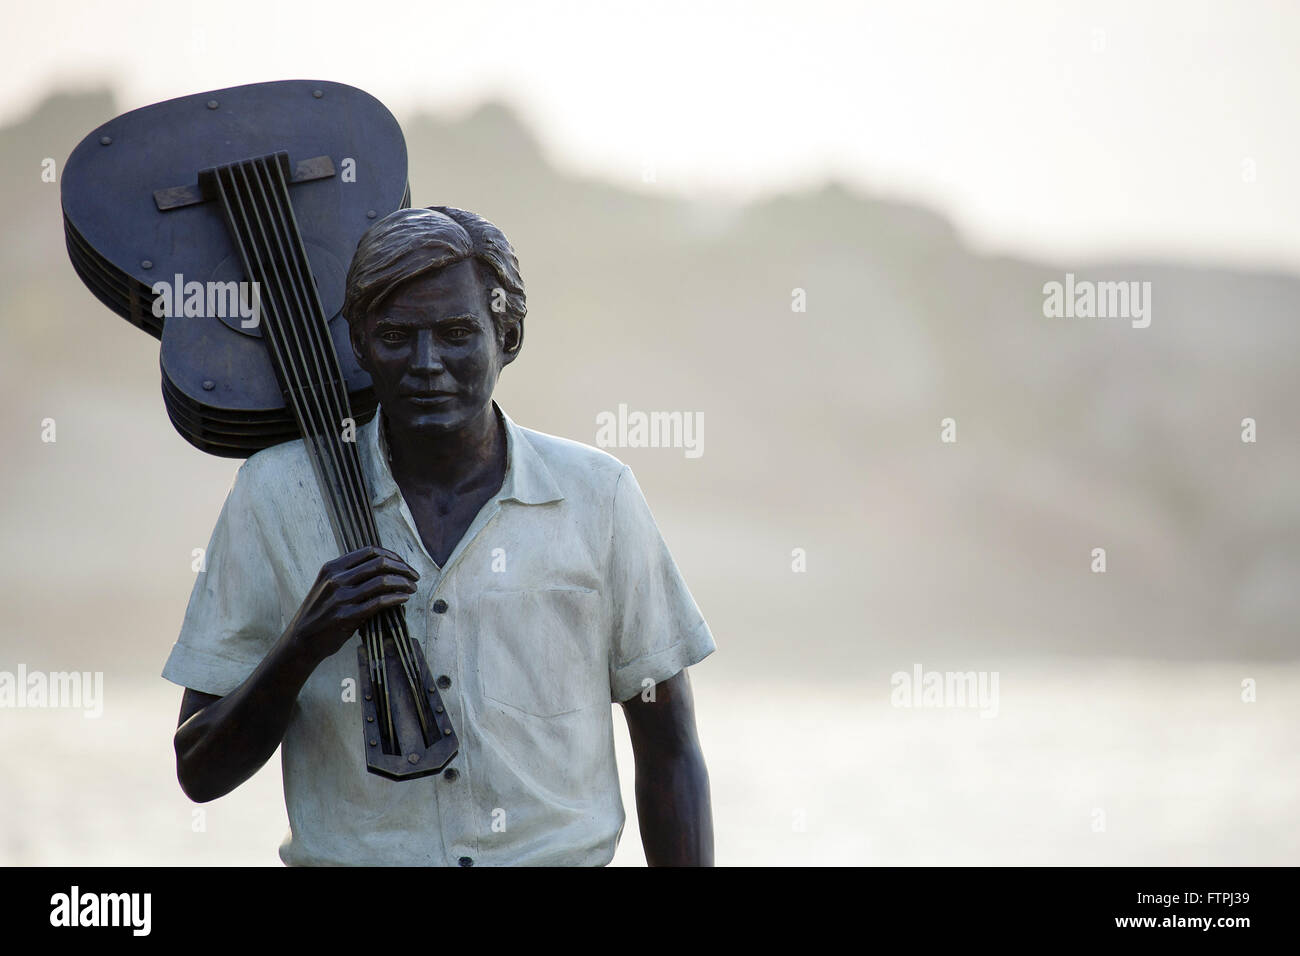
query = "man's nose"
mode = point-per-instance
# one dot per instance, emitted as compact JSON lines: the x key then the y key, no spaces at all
{"x":426,"y":358}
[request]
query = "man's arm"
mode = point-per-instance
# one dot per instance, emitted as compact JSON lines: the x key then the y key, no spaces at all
{"x":672,"y":783}
{"x":222,"y":741}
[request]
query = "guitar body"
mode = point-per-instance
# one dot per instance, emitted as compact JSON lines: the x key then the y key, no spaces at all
{"x":218,"y":383}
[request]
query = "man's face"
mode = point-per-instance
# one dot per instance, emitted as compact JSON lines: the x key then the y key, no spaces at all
{"x":431,"y":350}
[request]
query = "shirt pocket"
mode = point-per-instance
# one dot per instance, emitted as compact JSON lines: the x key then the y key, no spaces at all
{"x":539,"y":650}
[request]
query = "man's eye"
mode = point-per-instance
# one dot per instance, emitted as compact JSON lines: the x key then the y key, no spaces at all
{"x":458,"y":333}
{"x":392,"y":336}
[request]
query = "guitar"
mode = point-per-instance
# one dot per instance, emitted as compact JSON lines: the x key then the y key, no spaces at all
{"x":223,"y":224}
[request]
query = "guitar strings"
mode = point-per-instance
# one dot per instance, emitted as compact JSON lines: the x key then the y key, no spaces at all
{"x":324,"y":459}
{"x":353,"y":510}
{"x":323,"y":345}
{"x":338,"y":468}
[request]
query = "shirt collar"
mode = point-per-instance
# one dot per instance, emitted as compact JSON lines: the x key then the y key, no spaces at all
{"x":527,"y":479}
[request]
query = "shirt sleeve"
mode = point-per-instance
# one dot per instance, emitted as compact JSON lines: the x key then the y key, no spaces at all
{"x":657,"y":629}
{"x":233,"y":618}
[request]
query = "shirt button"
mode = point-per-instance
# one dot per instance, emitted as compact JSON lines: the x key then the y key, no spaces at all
{"x":440,"y":606}
{"x":466,"y":861}
{"x":444,"y":681}
{"x":451,"y":773}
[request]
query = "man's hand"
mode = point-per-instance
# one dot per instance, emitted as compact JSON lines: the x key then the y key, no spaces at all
{"x":348,"y":592}
{"x":222,"y":741}
{"x":672,"y":783}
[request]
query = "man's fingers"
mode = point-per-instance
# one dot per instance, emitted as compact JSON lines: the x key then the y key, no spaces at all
{"x":385,"y":563}
{"x":345,"y":561}
{"x":374,"y":586}
{"x":360,"y":612}
{"x":363,"y":555}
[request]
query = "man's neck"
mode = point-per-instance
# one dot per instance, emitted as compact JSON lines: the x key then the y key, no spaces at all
{"x":453,"y":462}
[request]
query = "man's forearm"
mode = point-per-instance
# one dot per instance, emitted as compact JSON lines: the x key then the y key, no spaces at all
{"x":674,"y":810}
{"x":229,"y":740}
{"x":672,"y":783}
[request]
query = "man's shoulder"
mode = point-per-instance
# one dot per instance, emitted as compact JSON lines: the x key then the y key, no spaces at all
{"x":571,"y":463}
{"x":277,"y":489}
{"x":277,"y":461}
{"x":270,"y":474}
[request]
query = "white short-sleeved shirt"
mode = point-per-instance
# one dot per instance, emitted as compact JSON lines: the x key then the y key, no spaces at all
{"x":560,"y":598}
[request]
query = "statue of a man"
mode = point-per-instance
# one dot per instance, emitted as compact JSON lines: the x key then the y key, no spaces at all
{"x":532,"y":573}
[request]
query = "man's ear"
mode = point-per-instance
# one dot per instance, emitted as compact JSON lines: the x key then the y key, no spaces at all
{"x":512,"y":342}
{"x":357,"y":336}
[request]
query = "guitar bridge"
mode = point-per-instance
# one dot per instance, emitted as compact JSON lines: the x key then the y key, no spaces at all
{"x":410,"y":753}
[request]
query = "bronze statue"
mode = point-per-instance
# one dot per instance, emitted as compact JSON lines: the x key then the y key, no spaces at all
{"x":528,"y":568}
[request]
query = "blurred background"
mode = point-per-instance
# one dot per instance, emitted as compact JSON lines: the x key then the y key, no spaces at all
{"x":670,"y":175}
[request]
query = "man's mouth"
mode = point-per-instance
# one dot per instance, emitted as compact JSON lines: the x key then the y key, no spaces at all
{"x":429,"y":398}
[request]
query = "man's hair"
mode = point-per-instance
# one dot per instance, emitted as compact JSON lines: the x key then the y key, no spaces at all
{"x":412,"y":242}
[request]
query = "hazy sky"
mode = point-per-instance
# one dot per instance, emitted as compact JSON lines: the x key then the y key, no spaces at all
{"x":1046,"y":128}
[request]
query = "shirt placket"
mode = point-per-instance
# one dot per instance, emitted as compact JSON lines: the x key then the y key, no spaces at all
{"x":458,"y":817}
{"x":454,"y":792}
{"x":418,"y":614}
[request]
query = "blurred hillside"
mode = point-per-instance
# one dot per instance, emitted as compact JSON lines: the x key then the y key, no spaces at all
{"x":821,"y":428}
